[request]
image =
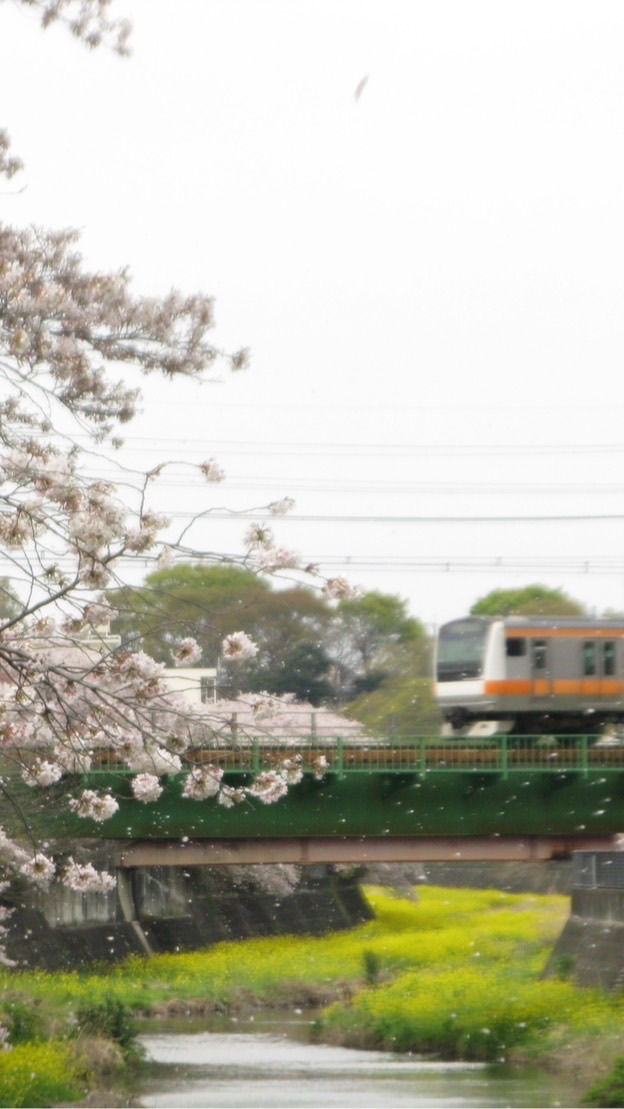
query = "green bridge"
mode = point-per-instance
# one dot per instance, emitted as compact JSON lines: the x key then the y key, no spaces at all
{"x":413,"y":798}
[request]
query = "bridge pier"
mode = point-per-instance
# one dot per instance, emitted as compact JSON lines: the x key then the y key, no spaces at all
{"x":590,"y":949}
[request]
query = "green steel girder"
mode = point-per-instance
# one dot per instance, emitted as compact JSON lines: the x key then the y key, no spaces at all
{"x":377,"y":803}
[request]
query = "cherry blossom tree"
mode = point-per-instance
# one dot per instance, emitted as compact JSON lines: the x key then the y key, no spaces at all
{"x":74,"y":343}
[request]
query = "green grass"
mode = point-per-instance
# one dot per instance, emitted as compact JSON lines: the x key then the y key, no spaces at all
{"x":40,"y":1074}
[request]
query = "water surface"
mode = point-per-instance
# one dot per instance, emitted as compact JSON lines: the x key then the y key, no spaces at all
{"x":267,"y":1061}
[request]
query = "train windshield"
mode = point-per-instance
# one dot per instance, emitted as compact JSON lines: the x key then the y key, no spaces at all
{"x":461,"y":650}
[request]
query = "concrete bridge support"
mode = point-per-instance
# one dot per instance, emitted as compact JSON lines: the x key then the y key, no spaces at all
{"x":173,"y":908}
{"x":590,"y":949}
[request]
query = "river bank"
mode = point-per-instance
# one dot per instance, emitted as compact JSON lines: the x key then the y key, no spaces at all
{"x":451,"y":972}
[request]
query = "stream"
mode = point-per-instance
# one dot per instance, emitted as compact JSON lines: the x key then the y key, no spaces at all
{"x":266,"y":1060}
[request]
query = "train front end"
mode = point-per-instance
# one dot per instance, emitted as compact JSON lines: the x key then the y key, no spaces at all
{"x":470,"y":654}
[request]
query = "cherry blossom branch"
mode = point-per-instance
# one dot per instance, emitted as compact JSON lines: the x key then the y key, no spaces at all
{"x":87,"y":20}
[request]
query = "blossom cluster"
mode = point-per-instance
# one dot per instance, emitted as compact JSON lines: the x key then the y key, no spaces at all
{"x":278,"y":558}
{"x":228,"y":796}
{"x":292,"y":770}
{"x":146,"y":788}
{"x":88,"y":20}
{"x":187,"y":651}
{"x":84,"y":878}
{"x":212,"y":471}
{"x":269,"y":787}
{"x":42,"y":773}
{"x":38,"y":869}
{"x":320,"y":766}
{"x":340,"y":589}
{"x":268,"y":556}
{"x":281,"y":507}
{"x":202,"y":782}
{"x":96,"y":806}
{"x":238,"y":647}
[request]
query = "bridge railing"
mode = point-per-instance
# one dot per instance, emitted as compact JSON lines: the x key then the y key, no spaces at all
{"x":502,"y":754}
{"x":335,"y":755}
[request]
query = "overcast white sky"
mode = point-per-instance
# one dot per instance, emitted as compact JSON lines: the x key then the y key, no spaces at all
{"x":429,"y":276}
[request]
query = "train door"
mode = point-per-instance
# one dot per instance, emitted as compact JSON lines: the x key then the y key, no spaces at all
{"x":599,"y":668}
{"x":608,"y":659}
{"x":605,"y":667}
{"x":591,"y":668}
{"x":540,"y":669}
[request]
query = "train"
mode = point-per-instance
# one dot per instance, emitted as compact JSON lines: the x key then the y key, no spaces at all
{"x":530,"y":675}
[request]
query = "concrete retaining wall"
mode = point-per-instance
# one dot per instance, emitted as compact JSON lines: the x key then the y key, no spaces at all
{"x":170,"y":909}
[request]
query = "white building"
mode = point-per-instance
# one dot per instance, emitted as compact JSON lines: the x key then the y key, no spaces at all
{"x":197,"y":683}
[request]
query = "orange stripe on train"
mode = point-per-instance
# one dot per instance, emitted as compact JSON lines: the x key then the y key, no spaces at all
{"x":564,"y":633}
{"x":509,"y":688}
{"x":585,"y":687}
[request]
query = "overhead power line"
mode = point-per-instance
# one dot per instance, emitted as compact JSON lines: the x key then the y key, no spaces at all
{"x":561,"y":565}
{"x":321,"y":518}
{"x":453,"y":564}
{"x":342,"y":484}
{"x":164,"y":447}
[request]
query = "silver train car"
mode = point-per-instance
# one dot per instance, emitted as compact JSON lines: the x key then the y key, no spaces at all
{"x":530,"y":675}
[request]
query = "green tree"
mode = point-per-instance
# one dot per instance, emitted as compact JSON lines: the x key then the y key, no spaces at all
{"x":367,"y":638}
{"x":205,"y":602}
{"x":290,"y":631}
{"x":210,"y":602}
{"x":531,"y":600}
{"x":303,"y":670}
{"x":402,"y":705}
{"x":305,"y":646}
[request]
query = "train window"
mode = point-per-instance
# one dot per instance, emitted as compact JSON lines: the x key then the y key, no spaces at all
{"x":589,"y":658}
{"x":608,"y":659}
{"x":461,"y":649}
{"x":515,"y":647}
{"x":539,"y":654}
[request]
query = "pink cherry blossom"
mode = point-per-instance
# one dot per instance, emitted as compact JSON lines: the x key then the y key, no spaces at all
{"x":202,"y":782}
{"x":84,"y":878}
{"x":292,"y":770}
{"x":42,"y":773}
{"x":238,"y":647}
{"x":278,"y":558}
{"x":269,"y":787}
{"x":186,"y":652}
{"x":282,"y":507}
{"x":146,"y":788}
{"x":212,"y":471}
{"x":95,"y":806}
{"x":39,"y":869}
{"x":340,"y":589}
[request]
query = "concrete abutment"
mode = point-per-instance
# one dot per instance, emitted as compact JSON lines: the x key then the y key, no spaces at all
{"x":171,"y":909}
{"x":590,"y":949}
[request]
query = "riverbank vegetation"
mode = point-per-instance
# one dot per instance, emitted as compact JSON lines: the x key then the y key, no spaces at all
{"x":454,"y":972}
